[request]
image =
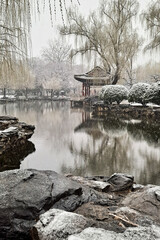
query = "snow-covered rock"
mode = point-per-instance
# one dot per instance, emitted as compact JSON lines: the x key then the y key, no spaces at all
{"x":137,"y":92}
{"x":58,"y":225}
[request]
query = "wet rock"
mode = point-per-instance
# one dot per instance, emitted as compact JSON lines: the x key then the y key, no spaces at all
{"x":136,"y":187}
{"x":58,"y":225}
{"x":13,"y":133}
{"x":157,"y":193}
{"x":12,"y":159}
{"x":121,"y":182}
{"x":101,"y":216}
{"x":97,"y":185}
{"x":145,"y":201}
{"x":25,"y":194}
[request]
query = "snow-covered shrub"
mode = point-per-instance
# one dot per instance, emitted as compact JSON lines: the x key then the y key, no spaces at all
{"x":137,"y":92}
{"x":101,"y":96}
{"x":152,"y":94}
{"x":115,"y":93}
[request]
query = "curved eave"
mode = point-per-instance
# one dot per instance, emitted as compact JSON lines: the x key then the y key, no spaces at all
{"x":93,"y":81}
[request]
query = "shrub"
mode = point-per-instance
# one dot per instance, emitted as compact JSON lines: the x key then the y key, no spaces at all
{"x":114,"y":93}
{"x":152,"y":94}
{"x":102,"y":92}
{"x":137,"y":92}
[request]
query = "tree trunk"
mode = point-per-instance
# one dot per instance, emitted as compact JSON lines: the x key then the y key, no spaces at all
{"x":26,"y":93}
{"x":4,"y":92}
{"x":116,"y":77}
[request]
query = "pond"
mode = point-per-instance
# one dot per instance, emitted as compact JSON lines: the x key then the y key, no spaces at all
{"x":69,"y":140}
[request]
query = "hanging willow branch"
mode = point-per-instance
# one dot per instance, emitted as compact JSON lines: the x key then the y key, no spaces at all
{"x":15,"y":23}
{"x":151,"y":18}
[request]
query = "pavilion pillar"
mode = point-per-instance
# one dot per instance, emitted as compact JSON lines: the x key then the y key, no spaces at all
{"x":89,"y":90}
{"x":83,"y":89}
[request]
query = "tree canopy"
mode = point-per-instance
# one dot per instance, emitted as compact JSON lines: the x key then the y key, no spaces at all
{"x":15,"y":23}
{"x":108,"y":32}
{"x":151,"y":18}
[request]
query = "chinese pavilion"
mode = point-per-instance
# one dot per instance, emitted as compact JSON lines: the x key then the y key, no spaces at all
{"x":96,"y":77}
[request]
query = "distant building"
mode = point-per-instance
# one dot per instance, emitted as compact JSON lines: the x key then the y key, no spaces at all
{"x":97,"y":77}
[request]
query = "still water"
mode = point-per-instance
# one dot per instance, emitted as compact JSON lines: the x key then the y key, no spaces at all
{"x":70,"y":141}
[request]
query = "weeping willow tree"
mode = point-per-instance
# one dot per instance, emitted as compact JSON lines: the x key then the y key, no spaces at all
{"x":15,"y":23}
{"x":151,"y":18}
{"x":108,"y":32}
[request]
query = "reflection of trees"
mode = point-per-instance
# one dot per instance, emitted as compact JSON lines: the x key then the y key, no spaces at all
{"x":13,"y":158}
{"x":114,"y":150}
{"x":152,"y":169}
{"x":102,"y":153}
{"x":148,"y":131}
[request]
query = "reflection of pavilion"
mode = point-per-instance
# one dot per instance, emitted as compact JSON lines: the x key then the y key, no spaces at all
{"x":89,"y":126}
{"x":95,"y":77}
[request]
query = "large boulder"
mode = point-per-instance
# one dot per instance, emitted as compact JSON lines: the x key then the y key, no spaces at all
{"x":25,"y":194}
{"x":58,"y":225}
{"x":13,"y":133}
{"x":146,"y":201}
{"x":61,"y":225}
{"x":140,"y":233}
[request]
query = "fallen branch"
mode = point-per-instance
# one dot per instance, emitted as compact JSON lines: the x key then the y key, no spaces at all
{"x":124,"y":220}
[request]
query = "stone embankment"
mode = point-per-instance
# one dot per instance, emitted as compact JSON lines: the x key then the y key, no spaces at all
{"x":13,"y":133}
{"x":126,"y":110}
{"x":43,"y":205}
{"x":14,"y":144}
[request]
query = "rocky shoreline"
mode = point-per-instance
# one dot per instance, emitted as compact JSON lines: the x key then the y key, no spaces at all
{"x":126,"y":110}
{"x":44,"y":205}
{"x":14,"y":144}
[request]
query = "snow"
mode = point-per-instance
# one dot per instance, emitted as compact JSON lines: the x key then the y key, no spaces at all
{"x":114,"y":93}
{"x":8,"y":130}
{"x":152,"y":94}
{"x":137,"y":92}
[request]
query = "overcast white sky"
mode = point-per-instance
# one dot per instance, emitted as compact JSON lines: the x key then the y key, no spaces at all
{"x":42,"y":30}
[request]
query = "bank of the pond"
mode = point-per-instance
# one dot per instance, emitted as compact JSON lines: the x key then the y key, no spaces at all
{"x":43,"y":205}
{"x":126,"y":110}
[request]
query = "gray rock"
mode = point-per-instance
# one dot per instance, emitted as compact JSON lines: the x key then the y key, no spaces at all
{"x":157,"y":193}
{"x":145,"y":201}
{"x":25,"y":194}
{"x":140,"y":233}
{"x":121,"y":182}
{"x":13,"y":134}
{"x":97,"y":185}
{"x":58,"y":225}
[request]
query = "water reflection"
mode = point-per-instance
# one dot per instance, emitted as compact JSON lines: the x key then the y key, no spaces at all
{"x":70,"y":141}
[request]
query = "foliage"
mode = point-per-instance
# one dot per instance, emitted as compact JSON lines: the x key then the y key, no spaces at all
{"x":151,"y":17}
{"x":152,"y":94}
{"x":102,"y":92}
{"x":108,"y":34}
{"x":136,"y":93}
{"x":114,"y":93}
{"x":15,"y":22}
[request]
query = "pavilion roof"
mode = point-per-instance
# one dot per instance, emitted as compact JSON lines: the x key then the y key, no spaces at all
{"x":96,"y":74}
